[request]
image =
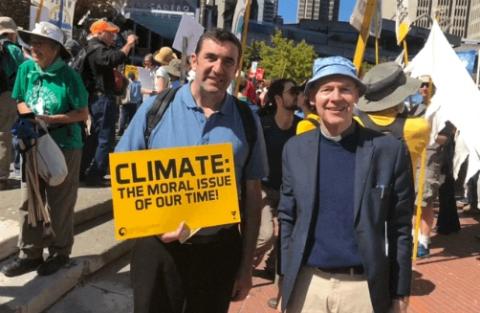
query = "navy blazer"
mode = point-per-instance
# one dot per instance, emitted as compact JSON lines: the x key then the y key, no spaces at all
{"x":383,"y":204}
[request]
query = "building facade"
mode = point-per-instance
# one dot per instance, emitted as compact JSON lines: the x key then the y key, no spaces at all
{"x":456,"y":17}
{"x":319,"y":10}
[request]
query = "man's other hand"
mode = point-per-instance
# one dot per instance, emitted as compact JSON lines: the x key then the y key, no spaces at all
{"x":242,"y":285}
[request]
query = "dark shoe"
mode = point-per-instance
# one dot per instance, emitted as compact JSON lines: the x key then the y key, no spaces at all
{"x":422,"y":251}
{"x":21,"y":266}
{"x":52,"y":264}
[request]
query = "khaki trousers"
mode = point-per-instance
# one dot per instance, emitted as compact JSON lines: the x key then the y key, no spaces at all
{"x":320,"y":292}
{"x":266,"y":232}
{"x":61,"y":201}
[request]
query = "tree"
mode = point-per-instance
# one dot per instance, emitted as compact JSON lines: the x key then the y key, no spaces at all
{"x":251,"y":53}
{"x":285,"y":59}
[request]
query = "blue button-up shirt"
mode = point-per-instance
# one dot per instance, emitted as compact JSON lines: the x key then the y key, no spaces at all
{"x":185,"y":124}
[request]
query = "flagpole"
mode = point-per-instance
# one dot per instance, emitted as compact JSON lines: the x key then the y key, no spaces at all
{"x":39,"y":12}
{"x":246,"y":20}
{"x":418,"y":215}
{"x":363,"y":35}
{"x":405,"y":49}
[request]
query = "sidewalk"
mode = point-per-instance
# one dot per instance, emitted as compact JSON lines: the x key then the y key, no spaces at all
{"x":446,"y":282}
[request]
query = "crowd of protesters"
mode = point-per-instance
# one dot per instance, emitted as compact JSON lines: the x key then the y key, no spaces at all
{"x":329,"y":181}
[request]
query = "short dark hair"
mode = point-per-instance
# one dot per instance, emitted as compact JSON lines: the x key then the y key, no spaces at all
{"x":276,"y":89}
{"x":219,"y":35}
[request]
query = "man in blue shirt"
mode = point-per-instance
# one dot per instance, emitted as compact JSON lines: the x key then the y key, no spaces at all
{"x":215,"y":265}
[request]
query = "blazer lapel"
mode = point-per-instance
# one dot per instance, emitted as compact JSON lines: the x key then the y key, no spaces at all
{"x":310,"y":165}
{"x":363,"y":164}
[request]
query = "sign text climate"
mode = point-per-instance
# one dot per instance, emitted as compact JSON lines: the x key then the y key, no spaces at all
{"x":154,"y":190}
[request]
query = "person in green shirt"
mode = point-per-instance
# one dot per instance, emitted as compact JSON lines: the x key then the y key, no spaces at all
{"x":49,"y":88}
{"x":11,"y":57}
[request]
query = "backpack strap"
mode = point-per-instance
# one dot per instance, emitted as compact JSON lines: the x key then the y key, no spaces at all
{"x":249,"y":125}
{"x":395,"y":128}
{"x":313,"y":121}
{"x":6,"y":82}
{"x":155,"y":114}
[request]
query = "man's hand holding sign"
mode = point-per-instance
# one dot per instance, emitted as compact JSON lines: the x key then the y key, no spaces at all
{"x":168,"y":191}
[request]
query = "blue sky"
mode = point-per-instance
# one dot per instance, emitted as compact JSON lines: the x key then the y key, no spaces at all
{"x":288,"y":9}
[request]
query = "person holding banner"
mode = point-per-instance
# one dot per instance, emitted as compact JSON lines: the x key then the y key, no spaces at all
{"x":345,"y":207}
{"x":213,"y":266}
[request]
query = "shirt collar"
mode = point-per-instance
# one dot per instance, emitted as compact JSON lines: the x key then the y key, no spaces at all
{"x":187,"y":98}
{"x":347,"y":132}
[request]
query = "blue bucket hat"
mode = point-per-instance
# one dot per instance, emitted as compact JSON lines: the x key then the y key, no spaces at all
{"x":336,"y":65}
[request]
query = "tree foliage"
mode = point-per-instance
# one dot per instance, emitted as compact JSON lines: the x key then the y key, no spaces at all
{"x":284,"y":58}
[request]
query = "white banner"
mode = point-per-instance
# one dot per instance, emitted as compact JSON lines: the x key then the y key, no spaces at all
{"x":58,"y":12}
{"x":402,"y":20}
{"x":238,"y":18}
{"x":190,"y":29}
{"x":356,"y":19}
{"x":457,"y":98}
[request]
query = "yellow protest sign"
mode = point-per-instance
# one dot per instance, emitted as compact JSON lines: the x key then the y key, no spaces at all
{"x":131,"y":69}
{"x":153,"y":191}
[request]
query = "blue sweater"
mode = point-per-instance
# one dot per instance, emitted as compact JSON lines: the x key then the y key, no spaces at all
{"x":333,"y":243}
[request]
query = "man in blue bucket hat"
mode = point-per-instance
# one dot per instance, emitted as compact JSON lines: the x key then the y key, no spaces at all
{"x":345,"y":207}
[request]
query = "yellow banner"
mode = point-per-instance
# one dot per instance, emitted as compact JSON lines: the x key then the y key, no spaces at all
{"x":153,"y":191}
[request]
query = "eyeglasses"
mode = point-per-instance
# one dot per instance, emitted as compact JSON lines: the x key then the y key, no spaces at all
{"x":423,"y":85}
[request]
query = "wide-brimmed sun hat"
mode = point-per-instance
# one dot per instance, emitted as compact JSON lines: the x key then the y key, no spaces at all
{"x":164,"y":55}
{"x":49,"y":31}
{"x":387,"y":86}
{"x":332,"y":66}
{"x":174,"y":68}
{"x":7,"y":25}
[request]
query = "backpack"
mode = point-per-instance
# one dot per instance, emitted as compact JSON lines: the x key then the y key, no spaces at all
{"x":120,"y":83}
{"x":396,"y":128}
{"x":80,"y":65}
{"x":6,"y":82}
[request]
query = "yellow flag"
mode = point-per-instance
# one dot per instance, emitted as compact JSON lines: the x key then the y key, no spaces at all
{"x":402,"y":21}
{"x":153,"y":191}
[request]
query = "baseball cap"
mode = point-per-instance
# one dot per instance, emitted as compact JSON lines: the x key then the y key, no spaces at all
{"x":101,"y":26}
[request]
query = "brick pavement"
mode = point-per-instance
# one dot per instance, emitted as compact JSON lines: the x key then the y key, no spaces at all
{"x":446,"y":282}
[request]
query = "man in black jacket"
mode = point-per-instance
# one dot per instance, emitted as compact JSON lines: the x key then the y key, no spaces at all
{"x":99,"y":66}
